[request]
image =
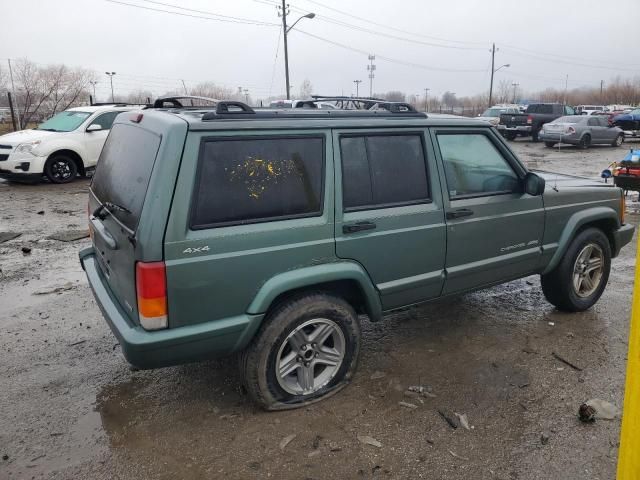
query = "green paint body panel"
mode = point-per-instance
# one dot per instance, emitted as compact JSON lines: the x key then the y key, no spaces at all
{"x":219,"y":296}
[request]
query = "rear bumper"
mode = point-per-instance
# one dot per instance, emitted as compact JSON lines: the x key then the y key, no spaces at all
{"x":621,"y":237}
{"x":517,"y":128}
{"x":556,"y":137}
{"x":172,"y":346}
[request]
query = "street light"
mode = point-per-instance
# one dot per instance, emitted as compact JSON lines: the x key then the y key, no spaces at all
{"x":285,"y":31}
{"x":94,"y":83}
{"x":357,"y":82}
{"x":111,"y":74}
{"x":493,"y":71}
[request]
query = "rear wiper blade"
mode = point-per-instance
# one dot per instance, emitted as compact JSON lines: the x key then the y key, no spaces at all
{"x":111,"y":207}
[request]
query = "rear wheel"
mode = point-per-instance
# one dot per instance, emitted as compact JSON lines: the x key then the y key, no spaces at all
{"x":578,"y":281}
{"x":510,"y":135}
{"x":61,"y":169}
{"x":549,"y":144}
{"x":585,"y":141}
{"x":618,"y":141}
{"x":306,"y":350}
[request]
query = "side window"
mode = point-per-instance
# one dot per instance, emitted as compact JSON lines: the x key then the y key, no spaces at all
{"x":569,"y":111}
{"x":383,"y":170}
{"x":249,"y":180}
{"x":593,"y":122}
{"x":475,"y":167}
{"x":105,"y":120}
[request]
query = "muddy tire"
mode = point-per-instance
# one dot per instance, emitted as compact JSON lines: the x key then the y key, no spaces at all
{"x":549,"y":144}
{"x":60,"y":169}
{"x":535,"y":134}
{"x":306,"y":350}
{"x":578,"y":281}
{"x":618,"y":141}
{"x":585,"y":141}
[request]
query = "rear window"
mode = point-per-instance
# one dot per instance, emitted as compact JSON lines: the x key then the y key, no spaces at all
{"x":540,"y":108}
{"x":123,"y":171}
{"x":249,"y":180}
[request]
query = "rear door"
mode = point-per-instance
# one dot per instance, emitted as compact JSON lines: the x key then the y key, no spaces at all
{"x":494,"y":230}
{"x":121,"y":181}
{"x":389,"y":212}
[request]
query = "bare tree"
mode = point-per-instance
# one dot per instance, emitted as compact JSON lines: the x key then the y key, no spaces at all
{"x":139,"y":96}
{"x":306,"y":89}
{"x":395,"y":96}
{"x":449,"y":99}
{"x":211,"y":90}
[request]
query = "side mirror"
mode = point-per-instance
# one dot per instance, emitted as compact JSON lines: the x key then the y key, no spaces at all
{"x":94,"y":127}
{"x":533,"y":184}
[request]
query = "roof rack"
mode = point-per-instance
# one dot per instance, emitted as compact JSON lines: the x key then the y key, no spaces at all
{"x":226,"y":110}
{"x":176,"y":101}
{"x":357,"y":103}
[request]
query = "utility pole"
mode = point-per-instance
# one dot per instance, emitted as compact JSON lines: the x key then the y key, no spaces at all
{"x":246,"y":95}
{"x":286,"y":48}
{"x":371,"y":68}
{"x":515,"y":86}
{"x":601,"y":87}
{"x":13,"y":94}
{"x":93,"y":84}
{"x":111,"y":74}
{"x":184,"y":86}
{"x":493,"y":61}
{"x":426,"y":99}
{"x":357,"y":82}
{"x":566,"y":85}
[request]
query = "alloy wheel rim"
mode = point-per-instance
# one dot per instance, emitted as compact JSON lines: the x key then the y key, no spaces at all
{"x":61,"y":170}
{"x":310,"y":357}
{"x":588,"y":270}
{"x":619,"y":140}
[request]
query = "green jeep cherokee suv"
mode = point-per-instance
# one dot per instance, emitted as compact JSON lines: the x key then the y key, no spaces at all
{"x":272,"y":233}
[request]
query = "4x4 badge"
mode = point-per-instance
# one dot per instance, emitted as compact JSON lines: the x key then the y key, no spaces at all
{"x":196,"y":249}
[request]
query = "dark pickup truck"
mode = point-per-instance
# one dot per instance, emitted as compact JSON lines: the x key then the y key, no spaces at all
{"x":531,"y":121}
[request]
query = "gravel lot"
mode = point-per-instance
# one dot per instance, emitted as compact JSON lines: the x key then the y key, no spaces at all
{"x":70,"y":407}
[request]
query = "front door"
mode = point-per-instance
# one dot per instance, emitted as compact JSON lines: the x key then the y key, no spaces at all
{"x":94,"y":140}
{"x":389,"y":214}
{"x":494,"y":229}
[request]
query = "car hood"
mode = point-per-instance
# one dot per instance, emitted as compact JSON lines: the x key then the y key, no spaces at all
{"x":24,"y":136}
{"x":558,"y":180}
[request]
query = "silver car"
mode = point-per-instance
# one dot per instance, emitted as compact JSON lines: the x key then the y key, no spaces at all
{"x":581,"y":130}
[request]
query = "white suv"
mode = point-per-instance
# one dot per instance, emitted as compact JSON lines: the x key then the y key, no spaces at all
{"x":64,"y":146}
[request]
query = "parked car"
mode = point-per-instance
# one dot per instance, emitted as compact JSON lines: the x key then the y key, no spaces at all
{"x":581,"y":130}
{"x":62,"y":147}
{"x":589,"y":109}
{"x":492,"y":114}
{"x":629,"y":122}
{"x":269,"y":233}
{"x":531,"y":121}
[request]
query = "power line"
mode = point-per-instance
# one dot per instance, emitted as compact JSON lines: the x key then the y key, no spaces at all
{"x":245,"y":22}
{"x":568,"y":62}
{"x":389,"y":59}
{"x":393,"y":28}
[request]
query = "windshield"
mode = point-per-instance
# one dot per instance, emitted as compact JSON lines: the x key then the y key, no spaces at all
{"x":635,"y":112}
{"x":64,"y":121}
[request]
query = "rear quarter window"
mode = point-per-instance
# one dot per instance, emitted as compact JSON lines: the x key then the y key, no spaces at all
{"x":124,"y":169}
{"x":258,"y":179}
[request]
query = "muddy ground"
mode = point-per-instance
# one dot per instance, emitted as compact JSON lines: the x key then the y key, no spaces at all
{"x":70,"y":407}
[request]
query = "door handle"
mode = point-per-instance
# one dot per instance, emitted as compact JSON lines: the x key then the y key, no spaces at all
{"x":358,"y":227}
{"x":461,"y":212}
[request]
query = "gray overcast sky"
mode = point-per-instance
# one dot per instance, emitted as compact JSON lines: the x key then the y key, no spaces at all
{"x":148,"y":49}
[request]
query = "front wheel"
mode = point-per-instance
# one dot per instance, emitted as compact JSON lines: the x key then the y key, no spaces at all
{"x":60,"y":169}
{"x":549,"y":144}
{"x":578,"y":281}
{"x":306,"y":350}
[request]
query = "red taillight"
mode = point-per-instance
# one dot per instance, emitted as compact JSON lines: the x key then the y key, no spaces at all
{"x":136,"y":117}
{"x":151,"y":289}
{"x":529,"y":119}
